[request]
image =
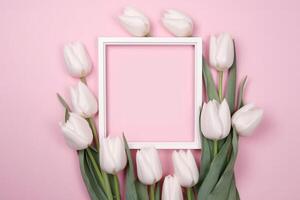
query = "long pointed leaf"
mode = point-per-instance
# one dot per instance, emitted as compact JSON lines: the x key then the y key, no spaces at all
{"x":95,"y":191}
{"x":222,"y":188}
{"x":157,"y":191}
{"x":131,"y":192}
{"x":231,"y":85}
{"x":242,"y":86}
{"x":215,"y":171}
{"x":63,"y":102}
{"x":142,"y":192}
{"x":210,"y":86}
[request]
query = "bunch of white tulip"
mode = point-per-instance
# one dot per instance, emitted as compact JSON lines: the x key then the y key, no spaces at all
{"x":216,"y":118}
{"x":79,"y":128}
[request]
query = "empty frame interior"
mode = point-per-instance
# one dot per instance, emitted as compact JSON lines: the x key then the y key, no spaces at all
{"x":150,"y":92}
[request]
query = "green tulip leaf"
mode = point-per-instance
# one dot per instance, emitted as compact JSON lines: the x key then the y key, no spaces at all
{"x":222,"y":188}
{"x":142,"y":192}
{"x":131,"y":191}
{"x":231,"y":85}
{"x":241,"y":90}
{"x":216,"y":168}
{"x":233,"y":193}
{"x":210,"y":86}
{"x":157,"y":191}
{"x":95,"y":190}
{"x":63,"y":102}
{"x":206,"y":159}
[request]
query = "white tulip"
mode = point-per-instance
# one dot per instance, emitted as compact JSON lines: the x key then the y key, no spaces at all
{"x":215,"y":120}
{"x":112,"y":155}
{"x":185,"y":168}
{"x":83,"y":100}
{"x":77,"y":132}
{"x":149,"y":169}
{"x":178,"y":23}
{"x":171,"y":189}
{"x":77,"y":59}
{"x":246,"y":119}
{"x":221,"y":51}
{"x":135,"y":22}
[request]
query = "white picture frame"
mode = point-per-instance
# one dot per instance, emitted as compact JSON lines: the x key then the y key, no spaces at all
{"x":103,"y":42}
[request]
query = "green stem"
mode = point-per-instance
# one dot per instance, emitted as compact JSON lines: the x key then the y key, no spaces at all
{"x":189,"y":193}
{"x":116,"y":185}
{"x":152,"y":188}
{"x":102,"y":176}
{"x":215,"y":147}
{"x":94,"y":131}
{"x":220,"y":75}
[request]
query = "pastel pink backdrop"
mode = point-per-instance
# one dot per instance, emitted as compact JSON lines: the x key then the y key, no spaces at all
{"x":35,"y":163}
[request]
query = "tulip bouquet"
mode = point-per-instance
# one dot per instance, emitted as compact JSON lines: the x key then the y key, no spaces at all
{"x":224,"y":118}
{"x":219,"y":130}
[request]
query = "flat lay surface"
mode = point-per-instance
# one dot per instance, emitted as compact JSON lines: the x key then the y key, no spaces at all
{"x":36,"y":163}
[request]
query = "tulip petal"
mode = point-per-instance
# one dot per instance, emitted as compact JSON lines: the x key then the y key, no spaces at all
{"x":77,"y":59}
{"x":178,"y":27}
{"x":73,"y":65}
{"x":118,"y":153}
{"x":171,"y":189}
{"x":247,"y":119}
{"x":152,"y":156}
{"x":210,"y":123}
{"x":181,"y":169}
{"x":144,"y":170}
{"x":132,"y":12}
{"x":82,"y":55}
{"x":106,"y":161}
{"x":86,"y":100}
{"x":77,"y":133}
{"x":225,"y":51}
{"x":224,"y":114}
{"x":213,"y":51}
{"x":193,"y":166}
{"x":137,"y":26}
{"x":174,"y":14}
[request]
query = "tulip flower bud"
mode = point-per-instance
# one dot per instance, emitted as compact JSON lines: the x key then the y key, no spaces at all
{"x":246,"y":119}
{"x":77,"y":59}
{"x":112,"y":155}
{"x":135,"y":22}
{"x":185,"y":168}
{"x":178,"y":23}
{"x":215,"y":120}
{"x":149,"y":169}
{"x":171,"y":189}
{"x":77,"y":132}
{"x":83,"y":100}
{"x":221,"y":51}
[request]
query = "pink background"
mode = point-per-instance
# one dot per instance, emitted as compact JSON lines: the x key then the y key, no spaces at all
{"x":35,"y":163}
{"x":150,"y":92}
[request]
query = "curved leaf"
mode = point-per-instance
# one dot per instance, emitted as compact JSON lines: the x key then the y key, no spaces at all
{"x":222,"y":188}
{"x":215,"y":171}
{"x":210,"y":86}
{"x":94,"y":189}
{"x":131,"y":193}
{"x":157,"y":191}
{"x":242,"y":86}
{"x":142,"y":192}
{"x":231,"y":85}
